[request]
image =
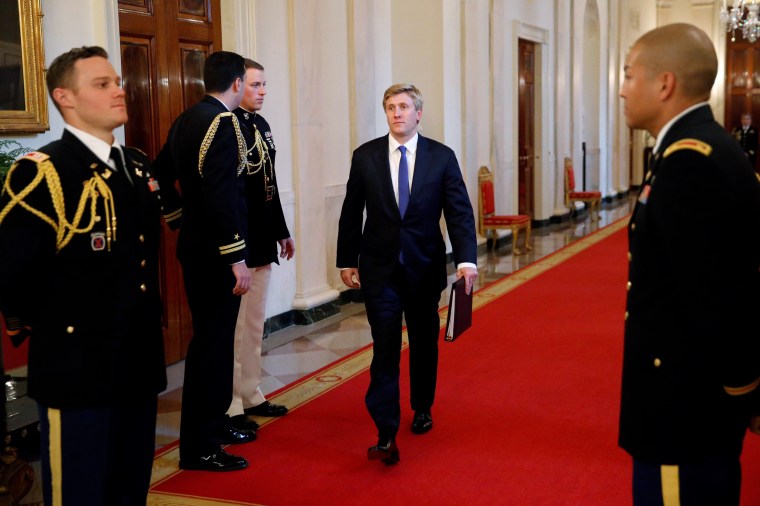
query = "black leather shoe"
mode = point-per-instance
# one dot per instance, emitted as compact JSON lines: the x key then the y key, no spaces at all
{"x":384,"y":451}
{"x":232,"y":436}
{"x":422,"y":422}
{"x":217,"y":461}
{"x":242,"y":422}
{"x":266,"y":408}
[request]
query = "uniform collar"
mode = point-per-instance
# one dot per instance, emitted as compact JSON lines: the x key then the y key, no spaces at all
{"x":664,"y":131}
{"x":100,"y":148}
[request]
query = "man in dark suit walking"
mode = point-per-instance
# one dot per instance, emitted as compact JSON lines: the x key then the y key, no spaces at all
{"x":404,"y":181}
{"x":79,"y":239}
{"x":206,"y":151}
{"x":691,"y":365}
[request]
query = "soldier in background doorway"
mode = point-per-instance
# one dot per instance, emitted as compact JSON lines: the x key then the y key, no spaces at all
{"x":746,"y":134}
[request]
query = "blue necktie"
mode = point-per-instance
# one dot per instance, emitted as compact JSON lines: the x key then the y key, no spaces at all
{"x":403,"y":182}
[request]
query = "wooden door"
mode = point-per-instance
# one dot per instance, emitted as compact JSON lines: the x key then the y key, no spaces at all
{"x":164,"y":44}
{"x":742,"y":83}
{"x":526,"y":125}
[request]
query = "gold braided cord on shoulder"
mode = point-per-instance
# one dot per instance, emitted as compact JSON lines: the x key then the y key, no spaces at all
{"x":93,"y":188}
{"x":209,"y":137}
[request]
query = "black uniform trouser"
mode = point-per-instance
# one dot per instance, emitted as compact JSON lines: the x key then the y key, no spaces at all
{"x":419,"y":307}
{"x":98,"y":456}
{"x":207,"y":389}
{"x":711,"y":482}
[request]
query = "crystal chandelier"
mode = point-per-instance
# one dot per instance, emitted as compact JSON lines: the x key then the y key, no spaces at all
{"x":736,"y":19}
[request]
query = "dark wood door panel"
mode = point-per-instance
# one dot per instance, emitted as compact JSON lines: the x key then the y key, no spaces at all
{"x":164,"y":44}
{"x":138,"y":67}
{"x":526,"y":126}
{"x":192,"y":58}
{"x":742,"y":81}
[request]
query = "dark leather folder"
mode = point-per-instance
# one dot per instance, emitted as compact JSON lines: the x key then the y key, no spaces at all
{"x":460,"y":311}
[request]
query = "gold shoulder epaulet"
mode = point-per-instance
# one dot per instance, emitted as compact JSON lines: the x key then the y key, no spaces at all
{"x":35,"y":156}
{"x":693,"y":144}
{"x":209,"y":137}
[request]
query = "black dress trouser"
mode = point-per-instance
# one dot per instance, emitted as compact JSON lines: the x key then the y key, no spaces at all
{"x":419,"y":307}
{"x":207,"y":389}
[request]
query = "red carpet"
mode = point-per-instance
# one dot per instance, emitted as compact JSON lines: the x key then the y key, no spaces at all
{"x":526,"y":412}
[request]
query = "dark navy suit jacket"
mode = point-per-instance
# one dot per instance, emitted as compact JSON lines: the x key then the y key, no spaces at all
{"x":437,"y":187}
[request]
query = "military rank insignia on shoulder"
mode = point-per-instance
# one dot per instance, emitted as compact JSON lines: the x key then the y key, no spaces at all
{"x":35,"y":156}
{"x":692,"y":144}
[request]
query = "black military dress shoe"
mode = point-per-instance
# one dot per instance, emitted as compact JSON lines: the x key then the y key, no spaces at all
{"x":242,"y":422}
{"x":232,"y":436}
{"x":422,"y":422}
{"x":266,"y":408}
{"x":218,"y":461}
{"x":386,"y":451}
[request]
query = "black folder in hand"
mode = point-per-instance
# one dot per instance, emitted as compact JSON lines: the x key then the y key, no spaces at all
{"x":460,"y":311}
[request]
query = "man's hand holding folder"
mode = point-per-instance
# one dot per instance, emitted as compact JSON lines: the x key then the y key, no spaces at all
{"x":460,"y":304}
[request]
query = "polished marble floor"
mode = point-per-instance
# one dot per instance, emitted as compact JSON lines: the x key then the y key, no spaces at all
{"x":298,"y":351}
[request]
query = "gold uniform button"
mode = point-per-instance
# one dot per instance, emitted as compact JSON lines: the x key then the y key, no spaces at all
{"x":143,"y":288}
{"x":657,"y":362}
{"x":97,"y":218}
{"x":69,"y":329}
{"x":142,"y":263}
{"x":626,"y":315}
{"x":629,"y":256}
{"x":628,"y":286}
{"x":142,"y":238}
{"x":633,"y":226}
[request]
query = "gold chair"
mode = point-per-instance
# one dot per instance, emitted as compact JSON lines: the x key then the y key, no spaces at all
{"x":489,"y":221}
{"x":593,"y":199}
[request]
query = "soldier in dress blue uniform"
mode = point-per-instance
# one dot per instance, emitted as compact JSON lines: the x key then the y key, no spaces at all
{"x":206,"y":152}
{"x":266,"y":231}
{"x":79,"y":239}
{"x":746,"y":134}
{"x":691,"y":365}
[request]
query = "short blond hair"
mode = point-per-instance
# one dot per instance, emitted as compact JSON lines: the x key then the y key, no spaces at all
{"x":409,"y":89}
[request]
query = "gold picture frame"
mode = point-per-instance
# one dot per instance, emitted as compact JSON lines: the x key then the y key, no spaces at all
{"x":23,"y":99}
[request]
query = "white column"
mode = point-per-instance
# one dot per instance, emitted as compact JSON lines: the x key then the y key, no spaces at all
{"x":313,"y":28}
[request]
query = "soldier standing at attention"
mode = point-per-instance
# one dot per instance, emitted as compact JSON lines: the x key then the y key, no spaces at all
{"x":266,"y":231}
{"x":206,"y":152}
{"x":79,"y":240}
{"x":691,"y":360}
{"x":746,"y":134}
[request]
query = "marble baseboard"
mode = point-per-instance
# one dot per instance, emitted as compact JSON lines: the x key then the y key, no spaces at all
{"x":317,"y":313}
{"x":302,"y":316}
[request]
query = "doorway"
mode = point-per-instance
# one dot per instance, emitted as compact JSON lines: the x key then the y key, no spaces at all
{"x":742,"y":83}
{"x":526,"y":137}
{"x":164,"y":44}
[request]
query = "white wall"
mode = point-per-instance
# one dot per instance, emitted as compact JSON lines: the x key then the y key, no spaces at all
{"x":328,"y":63}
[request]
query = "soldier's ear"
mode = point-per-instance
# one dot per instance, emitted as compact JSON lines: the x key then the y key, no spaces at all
{"x":63,"y":97}
{"x":667,"y":83}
